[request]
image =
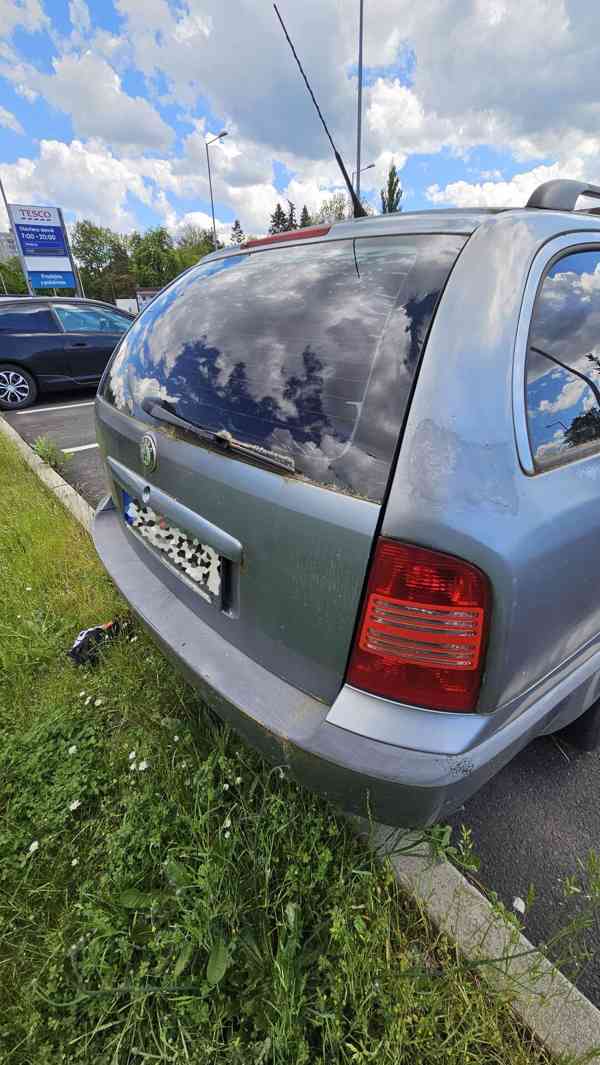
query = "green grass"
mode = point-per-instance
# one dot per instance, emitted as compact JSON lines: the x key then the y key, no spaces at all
{"x":202,"y":909}
{"x":50,"y":452}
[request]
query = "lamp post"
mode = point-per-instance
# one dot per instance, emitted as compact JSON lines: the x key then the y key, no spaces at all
{"x":360,"y":88}
{"x":219,"y":137}
{"x":369,"y":167}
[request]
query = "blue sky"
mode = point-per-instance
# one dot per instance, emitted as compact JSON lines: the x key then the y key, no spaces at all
{"x":105,"y":105}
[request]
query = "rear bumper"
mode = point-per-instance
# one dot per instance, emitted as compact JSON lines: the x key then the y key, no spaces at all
{"x":396,"y":785}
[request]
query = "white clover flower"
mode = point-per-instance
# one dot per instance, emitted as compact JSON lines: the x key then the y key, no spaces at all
{"x":238,"y":780}
{"x":143,"y":766}
{"x":28,"y":588}
{"x":73,"y":748}
{"x":74,"y":805}
{"x":519,"y":905}
{"x":227,"y":835}
{"x":81,"y":694}
{"x":33,"y":847}
{"x":75,"y":861}
{"x":175,"y":739}
{"x":98,"y":702}
{"x":225,"y":787}
{"x":132,"y":755}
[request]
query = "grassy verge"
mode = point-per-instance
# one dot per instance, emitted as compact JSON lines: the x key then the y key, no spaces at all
{"x":167,"y":896}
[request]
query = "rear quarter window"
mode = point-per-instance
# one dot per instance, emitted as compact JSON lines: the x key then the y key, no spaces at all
{"x":308,"y":350}
{"x":27,"y":320}
{"x":563,"y":361}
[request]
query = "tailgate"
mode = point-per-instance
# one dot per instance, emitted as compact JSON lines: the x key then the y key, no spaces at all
{"x":305,"y":357}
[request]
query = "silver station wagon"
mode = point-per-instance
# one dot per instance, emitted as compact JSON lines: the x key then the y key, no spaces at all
{"x":355,"y":493}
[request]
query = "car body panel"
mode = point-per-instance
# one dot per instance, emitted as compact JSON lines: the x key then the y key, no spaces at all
{"x":88,"y":353}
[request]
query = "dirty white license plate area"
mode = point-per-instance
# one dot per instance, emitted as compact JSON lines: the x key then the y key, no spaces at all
{"x":198,"y":563}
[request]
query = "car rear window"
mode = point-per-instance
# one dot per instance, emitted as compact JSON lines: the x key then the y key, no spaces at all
{"x":307,"y":350}
{"x":27,"y":320}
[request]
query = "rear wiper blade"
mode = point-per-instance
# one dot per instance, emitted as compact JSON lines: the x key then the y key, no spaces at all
{"x":157,"y":408}
{"x":255,"y":451}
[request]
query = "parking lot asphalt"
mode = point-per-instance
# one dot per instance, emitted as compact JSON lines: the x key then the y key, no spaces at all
{"x":68,"y":419}
{"x":535,"y":822}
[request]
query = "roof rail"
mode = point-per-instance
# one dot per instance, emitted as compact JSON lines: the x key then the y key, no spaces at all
{"x":561,"y":194}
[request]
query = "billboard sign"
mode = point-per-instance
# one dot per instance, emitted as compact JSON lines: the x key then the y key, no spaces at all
{"x":43,"y":246}
{"x":52,"y":279}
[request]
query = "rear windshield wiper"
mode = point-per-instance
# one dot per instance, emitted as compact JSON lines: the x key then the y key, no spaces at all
{"x":159,"y":409}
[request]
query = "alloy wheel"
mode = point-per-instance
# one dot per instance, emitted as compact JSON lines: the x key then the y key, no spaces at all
{"x":14,"y":388}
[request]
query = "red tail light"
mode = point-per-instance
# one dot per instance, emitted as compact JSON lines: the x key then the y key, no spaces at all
{"x":421,"y":638}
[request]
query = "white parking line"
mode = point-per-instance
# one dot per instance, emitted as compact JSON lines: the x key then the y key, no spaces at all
{"x":47,"y":410}
{"x":82,"y":447}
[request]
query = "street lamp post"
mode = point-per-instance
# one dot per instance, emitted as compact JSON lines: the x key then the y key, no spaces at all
{"x":369,"y":167}
{"x":219,"y":137}
{"x":360,"y":89}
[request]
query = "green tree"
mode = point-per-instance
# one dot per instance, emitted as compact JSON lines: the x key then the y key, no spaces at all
{"x":278,"y":220}
{"x":335,"y":209}
{"x":305,"y":219}
{"x":192,"y":244}
{"x":12,"y":279}
{"x":584,"y":428}
{"x":237,"y":233}
{"x":103,"y":261}
{"x":392,"y":194}
{"x":154,"y":258}
{"x":291,"y":222}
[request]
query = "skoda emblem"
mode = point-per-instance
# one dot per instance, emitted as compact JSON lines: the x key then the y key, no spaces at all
{"x":148,"y":451}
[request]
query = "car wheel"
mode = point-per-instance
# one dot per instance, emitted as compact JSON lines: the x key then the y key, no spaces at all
{"x":17,"y":388}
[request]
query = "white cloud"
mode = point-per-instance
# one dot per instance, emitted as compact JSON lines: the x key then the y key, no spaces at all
{"x":28,"y":14}
{"x":568,"y":397}
{"x":9,"y":121}
{"x":79,"y":14}
{"x":513,"y":193}
{"x":89,"y":90}
{"x":84,"y":178}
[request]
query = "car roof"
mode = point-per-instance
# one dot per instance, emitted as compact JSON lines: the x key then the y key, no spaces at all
{"x":77,"y":300}
{"x":459,"y":220}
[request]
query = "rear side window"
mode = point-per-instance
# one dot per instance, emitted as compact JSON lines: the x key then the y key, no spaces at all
{"x":27,"y":320}
{"x":309,"y":351}
{"x":91,"y":319}
{"x":563,"y":362}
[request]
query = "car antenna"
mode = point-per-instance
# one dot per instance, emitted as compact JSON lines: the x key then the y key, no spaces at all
{"x":358,"y":209}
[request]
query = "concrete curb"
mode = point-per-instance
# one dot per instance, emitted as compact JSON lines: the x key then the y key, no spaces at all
{"x":548,"y":1004}
{"x":68,"y":496}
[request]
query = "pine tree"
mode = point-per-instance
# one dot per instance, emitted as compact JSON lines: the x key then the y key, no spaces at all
{"x":278,"y":220}
{"x":305,"y":219}
{"x":237,"y":233}
{"x":291,"y":222}
{"x":391,"y":196}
